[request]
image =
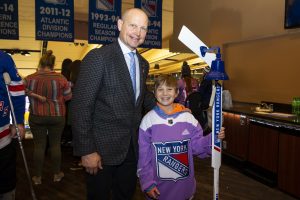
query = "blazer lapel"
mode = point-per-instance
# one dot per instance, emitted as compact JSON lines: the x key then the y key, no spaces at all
{"x":142,"y":71}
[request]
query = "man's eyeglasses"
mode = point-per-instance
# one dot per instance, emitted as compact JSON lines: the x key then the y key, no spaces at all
{"x":134,"y":27}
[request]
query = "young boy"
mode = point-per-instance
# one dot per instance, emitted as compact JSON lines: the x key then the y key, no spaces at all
{"x":169,"y":136}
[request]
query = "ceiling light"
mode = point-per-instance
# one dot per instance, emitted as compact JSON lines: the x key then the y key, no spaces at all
{"x":25,"y":53}
{"x":155,"y":55}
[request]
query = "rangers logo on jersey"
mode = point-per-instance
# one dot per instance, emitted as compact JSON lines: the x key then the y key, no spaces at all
{"x":1,"y":105}
{"x":172,"y":160}
{"x":5,"y":111}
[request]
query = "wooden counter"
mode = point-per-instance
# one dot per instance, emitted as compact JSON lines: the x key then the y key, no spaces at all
{"x":267,"y":146}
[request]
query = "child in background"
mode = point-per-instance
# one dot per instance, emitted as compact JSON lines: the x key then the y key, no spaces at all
{"x":169,"y":136}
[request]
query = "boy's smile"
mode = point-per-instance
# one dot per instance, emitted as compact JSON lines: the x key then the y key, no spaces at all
{"x":165,"y":95}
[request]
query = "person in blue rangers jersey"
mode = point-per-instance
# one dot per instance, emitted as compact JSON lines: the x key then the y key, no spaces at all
{"x":7,"y":132}
{"x":169,"y":136}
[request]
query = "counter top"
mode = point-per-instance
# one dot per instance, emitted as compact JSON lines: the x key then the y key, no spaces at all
{"x":280,"y":119}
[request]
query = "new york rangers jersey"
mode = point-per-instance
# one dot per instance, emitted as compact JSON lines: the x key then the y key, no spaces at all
{"x":17,"y":92}
{"x":167,"y":144}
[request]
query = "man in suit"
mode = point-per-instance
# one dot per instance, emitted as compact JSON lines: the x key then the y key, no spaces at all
{"x":107,"y":110}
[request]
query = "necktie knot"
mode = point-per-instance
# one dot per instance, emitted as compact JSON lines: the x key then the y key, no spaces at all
{"x":132,"y":70}
{"x":131,"y":54}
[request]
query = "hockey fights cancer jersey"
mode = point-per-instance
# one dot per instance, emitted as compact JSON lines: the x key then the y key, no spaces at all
{"x":16,"y":89}
{"x":167,"y":144}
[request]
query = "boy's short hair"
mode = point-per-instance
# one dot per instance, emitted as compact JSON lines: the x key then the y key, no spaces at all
{"x":169,"y":80}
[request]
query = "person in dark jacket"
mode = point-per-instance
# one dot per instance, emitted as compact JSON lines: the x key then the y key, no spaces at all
{"x":205,"y":91}
{"x":66,"y":136}
{"x":66,"y":68}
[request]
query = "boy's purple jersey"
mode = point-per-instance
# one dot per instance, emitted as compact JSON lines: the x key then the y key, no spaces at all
{"x":167,"y":144}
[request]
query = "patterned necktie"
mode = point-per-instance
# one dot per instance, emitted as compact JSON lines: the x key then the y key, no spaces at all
{"x":132,"y":71}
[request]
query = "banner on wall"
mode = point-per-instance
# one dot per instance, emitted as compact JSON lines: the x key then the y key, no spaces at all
{"x":103,"y":17}
{"x":54,"y":20}
{"x":9,"y":16}
{"x":153,"y":8}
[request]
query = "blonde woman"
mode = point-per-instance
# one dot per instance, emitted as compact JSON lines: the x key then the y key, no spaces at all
{"x":47,"y":117}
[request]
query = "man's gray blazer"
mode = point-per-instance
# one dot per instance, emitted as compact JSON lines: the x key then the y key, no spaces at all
{"x":104,"y":113}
